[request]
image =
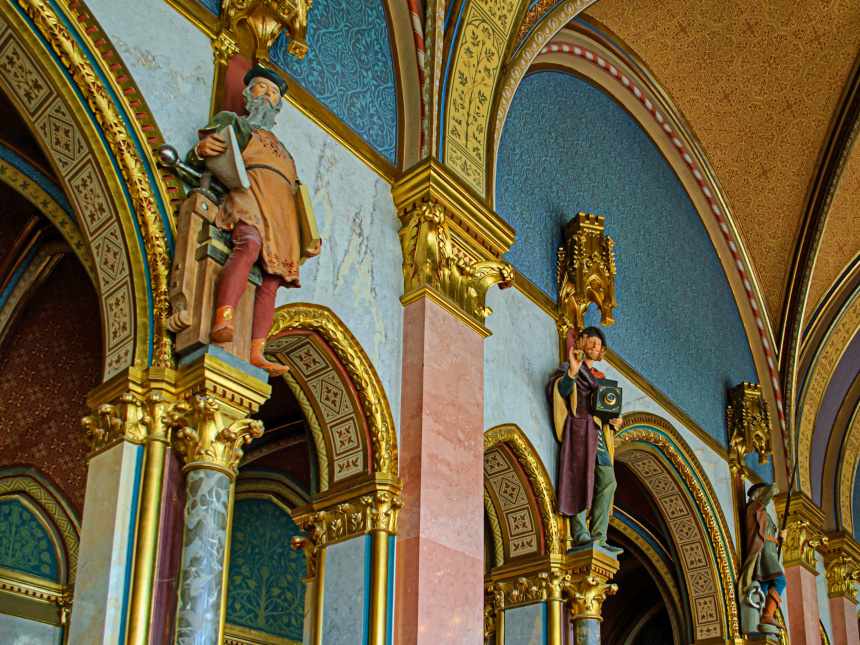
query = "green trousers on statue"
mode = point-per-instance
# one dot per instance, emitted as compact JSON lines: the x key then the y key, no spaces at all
{"x":601,"y":508}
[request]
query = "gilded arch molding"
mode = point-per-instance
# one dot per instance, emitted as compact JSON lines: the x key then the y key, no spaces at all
{"x":539,"y":482}
{"x":369,"y":394}
{"x":824,"y":361}
{"x":666,"y":466}
{"x":89,"y":118}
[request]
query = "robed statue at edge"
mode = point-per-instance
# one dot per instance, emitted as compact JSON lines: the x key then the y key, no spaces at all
{"x":586,"y":478}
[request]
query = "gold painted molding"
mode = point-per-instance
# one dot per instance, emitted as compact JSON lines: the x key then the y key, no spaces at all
{"x":349,"y":352}
{"x":514,"y":438}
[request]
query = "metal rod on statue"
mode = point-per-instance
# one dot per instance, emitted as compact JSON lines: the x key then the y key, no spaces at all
{"x":787,"y":506}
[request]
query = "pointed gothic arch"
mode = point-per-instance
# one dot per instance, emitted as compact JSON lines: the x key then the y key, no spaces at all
{"x":666,"y":466}
{"x":89,"y":118}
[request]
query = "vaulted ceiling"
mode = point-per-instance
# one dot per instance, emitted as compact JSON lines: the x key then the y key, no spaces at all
{"x":758,"y":83}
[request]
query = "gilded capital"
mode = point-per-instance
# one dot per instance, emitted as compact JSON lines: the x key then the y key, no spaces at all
{"x":804,"y":535}
{"x":586,"y":272}
{"x":452,"y":244}
{"x":257,"y":24}
{"x":587,"y":595}
{"x":842,"y":565}
{"x":749,"y":425}
{"x":224,"y":48}
{"x":132,"y":418}
{"x":206,"y":438}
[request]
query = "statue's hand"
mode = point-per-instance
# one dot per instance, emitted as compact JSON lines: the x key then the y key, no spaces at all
{"x":575,"y":356}
{"x":313,"y":252}
{"x":211,"y":146}
{"x":617,"y":422}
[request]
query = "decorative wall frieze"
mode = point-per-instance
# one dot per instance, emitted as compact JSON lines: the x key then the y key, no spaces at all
{"x":452,"y":244}
{"x":749,"y":425}
{"x":206,"y":437}
{"x":841,"y":565}
{"x":804,"y":534}
{"x":257,"y":24}
{"x":586,"y":272}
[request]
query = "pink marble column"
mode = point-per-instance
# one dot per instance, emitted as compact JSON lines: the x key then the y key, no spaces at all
{"x":439,"y":573}
{"x":802,"y":605}
{"x":843,"y":619}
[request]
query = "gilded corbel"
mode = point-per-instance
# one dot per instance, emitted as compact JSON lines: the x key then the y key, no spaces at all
{"x":749,"y":425}
{"x":204,"y":437}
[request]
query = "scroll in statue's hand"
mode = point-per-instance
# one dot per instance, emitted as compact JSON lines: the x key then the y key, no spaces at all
{"x":211,"y":146}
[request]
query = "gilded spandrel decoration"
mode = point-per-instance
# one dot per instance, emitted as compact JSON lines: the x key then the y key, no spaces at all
{"x":258,"y":23}
{"x":131,"y":418}
{"x":432,"y":259}
{"x":749,"y":425}
{"x":842,"y":573}
{"x":586,"y":272}
{"x":206,"y":438}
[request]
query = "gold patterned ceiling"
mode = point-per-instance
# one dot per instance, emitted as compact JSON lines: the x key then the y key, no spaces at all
{"x":758,"y":83}
{"x":841,"y":239}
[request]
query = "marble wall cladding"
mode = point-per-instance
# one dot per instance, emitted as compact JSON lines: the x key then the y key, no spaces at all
{"x":20,"y":631}
{"x":524,"y":625}
{"x":344,"y":612}
{"x":105,"y":551}
{"x":823,"y":600}
{"x":200,"y":585}
{"x":168,"y":57}
{"x":358,"y":275}
{"x":519,"y":358}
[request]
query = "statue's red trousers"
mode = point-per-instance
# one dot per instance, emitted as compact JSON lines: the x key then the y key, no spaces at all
{"x":247,"y":243}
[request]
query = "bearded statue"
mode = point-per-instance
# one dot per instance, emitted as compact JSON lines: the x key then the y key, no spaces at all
{"x":262,"y":218}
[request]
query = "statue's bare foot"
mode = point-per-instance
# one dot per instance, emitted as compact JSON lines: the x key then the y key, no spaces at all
{"x":258,"y":360}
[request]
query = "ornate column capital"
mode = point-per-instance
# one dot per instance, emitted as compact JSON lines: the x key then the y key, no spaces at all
{"x":129,"y":407}
{"x":452,"y":243}
{"x":368,"y":507}
{"x":749,"y":425}
{"x":804,"y":530}
{"x":842,"y":565}
{"x":206,"y":438}
{"x":224,"y":47}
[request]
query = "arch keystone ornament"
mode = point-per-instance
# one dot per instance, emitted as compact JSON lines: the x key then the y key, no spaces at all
{"x":452,"y":244}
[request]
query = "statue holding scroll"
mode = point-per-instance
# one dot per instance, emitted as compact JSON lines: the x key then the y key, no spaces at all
{"x":260,"y":210}
{"x":586,"y":474}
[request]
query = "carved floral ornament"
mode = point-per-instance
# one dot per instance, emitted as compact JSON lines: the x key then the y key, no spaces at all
{"x":583,"y":594}
{"x":132,"y":418}
{"x":801,"y":541}
{"x":842,"y":573}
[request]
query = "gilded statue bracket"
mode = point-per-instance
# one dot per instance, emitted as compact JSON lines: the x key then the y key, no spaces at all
{"x":586,"y":273}
{"x":253,"y":26}
{"x":749,"y":425}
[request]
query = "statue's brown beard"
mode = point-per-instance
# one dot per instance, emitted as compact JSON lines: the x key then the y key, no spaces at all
{"x":261,"y":113}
